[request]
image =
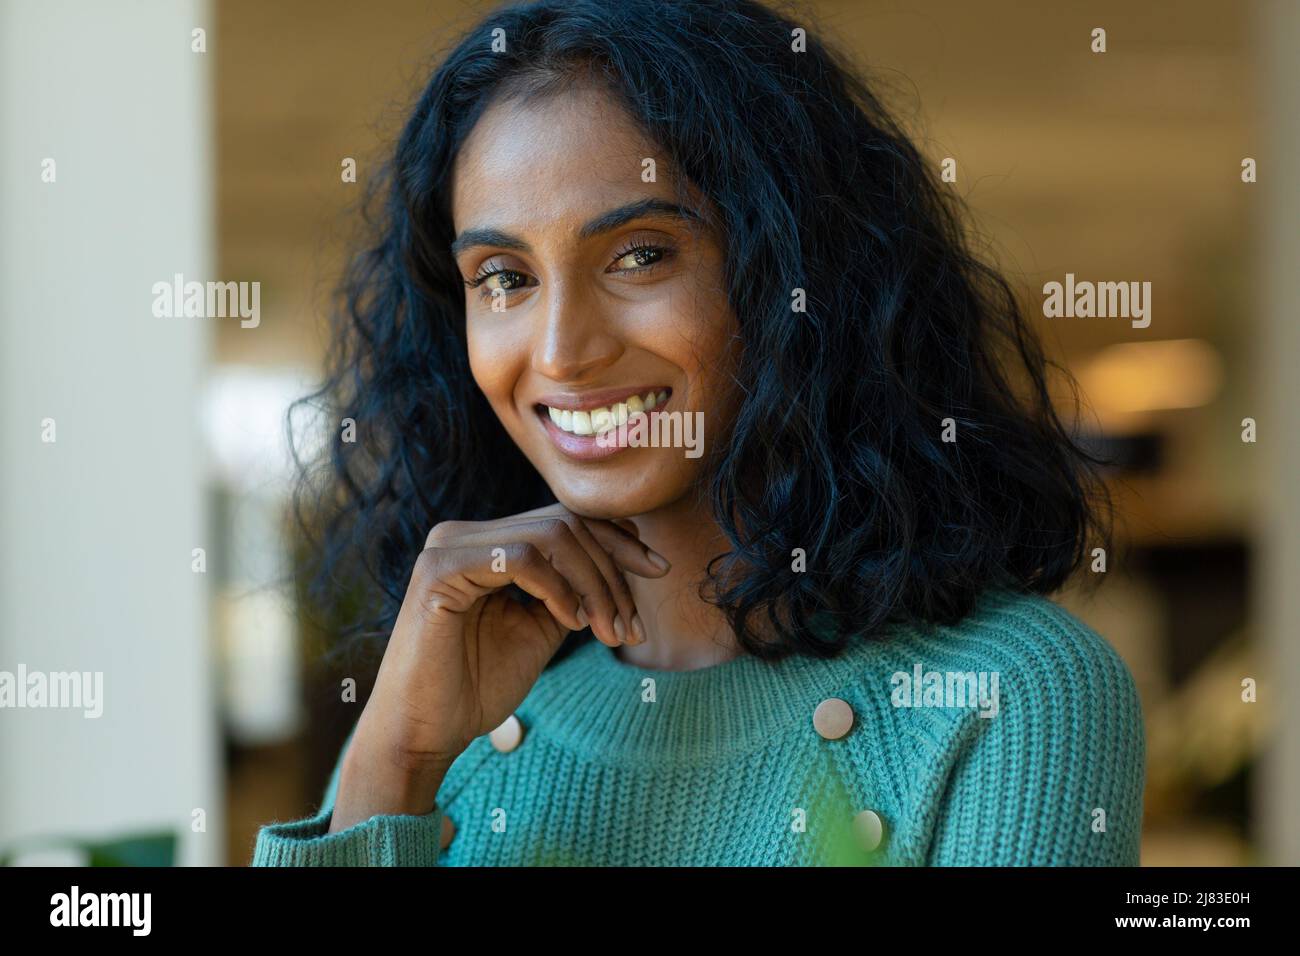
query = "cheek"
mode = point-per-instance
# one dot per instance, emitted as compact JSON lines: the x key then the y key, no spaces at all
{"x":700,"y":337}
{"x":493,"y":361}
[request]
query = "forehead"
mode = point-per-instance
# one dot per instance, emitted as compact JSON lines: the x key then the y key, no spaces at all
{"x":552,"y":161}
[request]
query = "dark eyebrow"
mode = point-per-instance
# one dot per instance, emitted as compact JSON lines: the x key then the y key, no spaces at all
{"x":642,"y":209}
{"x":605,"y":222}
{"x":487,"y":237}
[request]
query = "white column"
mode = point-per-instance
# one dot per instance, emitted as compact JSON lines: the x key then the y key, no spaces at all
{"x":97,"y":527}
{"x":1277,"y":570}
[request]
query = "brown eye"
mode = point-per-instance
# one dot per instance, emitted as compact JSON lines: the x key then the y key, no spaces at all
{"x":507,"y":280}
{"x":504,"y":280}
{"x":638,"y":257}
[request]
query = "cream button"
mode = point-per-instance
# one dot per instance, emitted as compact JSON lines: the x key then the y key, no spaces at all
{"x":833,"y":718}
{"x":507,"y":737}
{"x":448,"y":833}
{"x":869,"y":829}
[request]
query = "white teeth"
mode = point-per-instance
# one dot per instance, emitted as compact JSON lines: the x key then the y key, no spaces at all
{"x":597,"y":420}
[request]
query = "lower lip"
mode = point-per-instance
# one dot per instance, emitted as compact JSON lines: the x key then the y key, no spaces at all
{"x":585,"y":447}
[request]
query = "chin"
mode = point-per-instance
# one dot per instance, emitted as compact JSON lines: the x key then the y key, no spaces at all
{"x":613,"y":494}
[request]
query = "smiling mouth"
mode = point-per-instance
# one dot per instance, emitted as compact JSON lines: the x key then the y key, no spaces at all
{"x":589,"y":421}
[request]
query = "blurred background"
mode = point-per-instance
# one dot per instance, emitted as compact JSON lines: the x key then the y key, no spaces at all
{"x":147,"y":539}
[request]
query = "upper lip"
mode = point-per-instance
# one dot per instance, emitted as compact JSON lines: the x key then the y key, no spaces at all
{"x":585,"y":401}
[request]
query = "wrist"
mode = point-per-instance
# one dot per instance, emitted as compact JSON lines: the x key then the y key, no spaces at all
{"x":374,"y":782}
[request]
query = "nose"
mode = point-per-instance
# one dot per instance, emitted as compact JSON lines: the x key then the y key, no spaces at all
{"x":573,"y":337}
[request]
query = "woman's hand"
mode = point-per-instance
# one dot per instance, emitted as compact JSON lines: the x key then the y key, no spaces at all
{"x":464,"y":653}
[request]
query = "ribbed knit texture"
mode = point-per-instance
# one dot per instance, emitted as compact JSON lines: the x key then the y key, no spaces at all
{"x":622,"y":766}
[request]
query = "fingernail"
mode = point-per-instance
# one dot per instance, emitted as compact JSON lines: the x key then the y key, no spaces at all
{"x":638,"y":629}
{"x":657,"y":559}
{"x":620,"y":629}
{"x":582,"y":616}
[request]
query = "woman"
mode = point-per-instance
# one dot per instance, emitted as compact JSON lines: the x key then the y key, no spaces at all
{"x":705,"y":487}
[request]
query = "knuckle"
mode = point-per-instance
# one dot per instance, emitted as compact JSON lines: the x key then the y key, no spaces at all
{"x":556,"y":528}
{"x":431,"y":606}
{"x":524,"y":554}
{"x":441,"y":533}
{"x":427,"y":564}
{"x":425,"y":587}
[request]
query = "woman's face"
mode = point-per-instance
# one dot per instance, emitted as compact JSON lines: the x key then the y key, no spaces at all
{"x":595,"y":296}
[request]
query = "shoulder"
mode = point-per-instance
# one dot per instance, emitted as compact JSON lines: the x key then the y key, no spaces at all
{"x":1034,"y":642}
{"x":1019,"y":657}
{"x":1013,"y":736}
{"x":1063,"y":742}
{"x":1051,"y":681}
{"x":1052,"y":673}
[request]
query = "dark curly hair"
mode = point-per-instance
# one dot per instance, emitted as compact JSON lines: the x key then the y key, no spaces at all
{"x":837,"y":447}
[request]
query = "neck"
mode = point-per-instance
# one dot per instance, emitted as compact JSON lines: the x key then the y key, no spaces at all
{"x":683,"y":632}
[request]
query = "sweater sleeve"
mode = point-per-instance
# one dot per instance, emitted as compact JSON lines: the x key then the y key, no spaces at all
{"x":381,"y":840}
{"x":1055,"y":778}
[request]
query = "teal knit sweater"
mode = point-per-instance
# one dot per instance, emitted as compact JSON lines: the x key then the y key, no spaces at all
{"x":624,"y":766}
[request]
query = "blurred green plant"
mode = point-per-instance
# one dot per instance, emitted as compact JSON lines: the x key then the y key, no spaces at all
{"x":142,"y":849}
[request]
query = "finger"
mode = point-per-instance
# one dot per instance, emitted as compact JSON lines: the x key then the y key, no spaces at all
{"x":444,"y":533}
{"x":540,"y":578}
{"x":627,"y":624}
{"x":579,"y":563}
{"x":627,"y":550}
{"x":628,"y":525}
{"x":556,"y":510}
{"x":555,"y":536}
{"x":457,"y":577}
{"x":623,"y":545}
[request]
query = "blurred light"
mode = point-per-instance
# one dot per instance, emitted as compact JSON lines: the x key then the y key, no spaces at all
{"x":244,"y":425}
{"x":245,"y":418}
{"x":260,"y":692}
{"x":1134,"y":378}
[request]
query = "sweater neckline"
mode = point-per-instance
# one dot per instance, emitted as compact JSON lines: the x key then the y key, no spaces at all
{"x":599,"y":707}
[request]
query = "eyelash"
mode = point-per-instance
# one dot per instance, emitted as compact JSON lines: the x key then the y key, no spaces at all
{"x":634,"y":247}
{"x":631,"y":248}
